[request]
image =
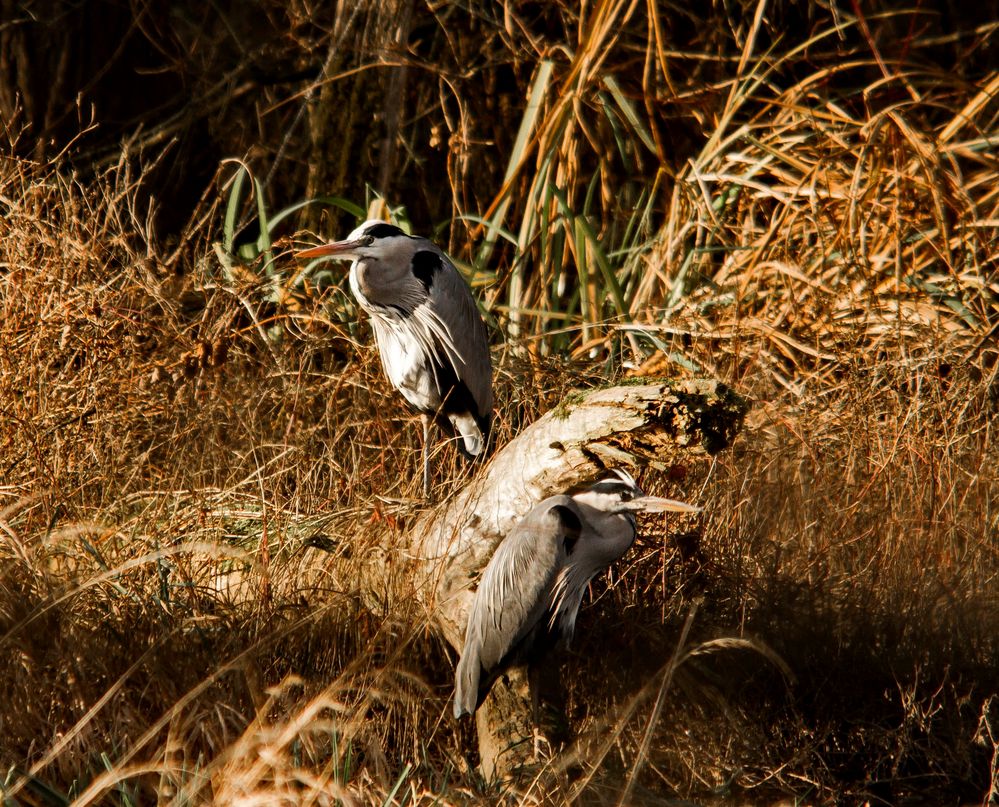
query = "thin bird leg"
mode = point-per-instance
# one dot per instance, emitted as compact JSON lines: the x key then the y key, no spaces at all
{"x":426,"y":455}
{"x":534,"y":687}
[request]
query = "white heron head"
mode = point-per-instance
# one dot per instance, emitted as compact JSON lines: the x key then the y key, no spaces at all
{"x":374,"y":240}
{"x":620,"y":493}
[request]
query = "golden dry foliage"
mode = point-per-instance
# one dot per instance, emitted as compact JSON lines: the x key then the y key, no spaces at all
{"x":192,"y":470}
{"x":822,"y":234}
{"x":810,"y":219}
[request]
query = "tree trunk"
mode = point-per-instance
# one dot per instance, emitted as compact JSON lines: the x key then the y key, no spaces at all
{"x":571,"y":446}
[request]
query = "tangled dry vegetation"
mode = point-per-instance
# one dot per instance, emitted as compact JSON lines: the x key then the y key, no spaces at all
{"x":192,"y":466}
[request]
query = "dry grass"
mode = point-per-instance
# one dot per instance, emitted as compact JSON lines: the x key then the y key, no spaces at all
{"x":192,"y":468}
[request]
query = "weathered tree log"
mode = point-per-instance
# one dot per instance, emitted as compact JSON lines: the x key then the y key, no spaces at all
{"x":570,"y":446}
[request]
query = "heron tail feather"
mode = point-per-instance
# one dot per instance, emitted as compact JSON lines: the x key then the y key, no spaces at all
{"x":469,"y":430}
{"x":466,"y":686}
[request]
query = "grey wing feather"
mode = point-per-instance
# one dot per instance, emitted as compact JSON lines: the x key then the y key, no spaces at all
{"x":513,"y":596}
{"x":454,"y":304}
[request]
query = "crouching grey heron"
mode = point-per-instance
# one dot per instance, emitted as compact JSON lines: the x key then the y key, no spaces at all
{"x":431,"y":339}
{"x":530,"y":592}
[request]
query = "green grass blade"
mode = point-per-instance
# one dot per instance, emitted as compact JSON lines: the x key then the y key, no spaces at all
{"x":628,"y":110}
{"x":502,"y":232}
{"x":586,"y":234}
{"x":346,"y":205}
{"x":264,"y":238}
{"x":232,"y":210}
{"x":517,"y":154}
{"x":398,"y":784}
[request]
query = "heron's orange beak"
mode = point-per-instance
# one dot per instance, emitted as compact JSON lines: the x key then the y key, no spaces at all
{"x":343,"y":248}
{"x":657,"y":504}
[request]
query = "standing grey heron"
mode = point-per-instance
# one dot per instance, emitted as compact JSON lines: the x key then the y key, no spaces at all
{"x":430,"y":336}
{"x":530,"y":592}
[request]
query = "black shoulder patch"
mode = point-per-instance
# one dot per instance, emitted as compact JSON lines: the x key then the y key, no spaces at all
{"x":426,"y":264}
{"x":572,"y":527}
{"x":383,"y":230}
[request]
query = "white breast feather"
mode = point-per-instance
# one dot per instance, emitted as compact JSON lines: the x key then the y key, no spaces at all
{"x":409,"y":345}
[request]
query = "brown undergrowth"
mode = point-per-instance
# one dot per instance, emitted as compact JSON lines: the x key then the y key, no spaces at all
{"x":155,"y":643}
{"x":192,"y":468}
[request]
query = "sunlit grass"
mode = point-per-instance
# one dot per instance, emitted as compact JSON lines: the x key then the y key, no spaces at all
{"x":199,"y":454}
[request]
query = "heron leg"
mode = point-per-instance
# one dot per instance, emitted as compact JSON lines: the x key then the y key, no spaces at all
{"x":426,"y":455}
{"x":534,"y":687}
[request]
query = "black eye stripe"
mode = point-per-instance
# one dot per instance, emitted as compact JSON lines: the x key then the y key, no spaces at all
{"x":383,"y":230}
{"x":615,"y":487}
